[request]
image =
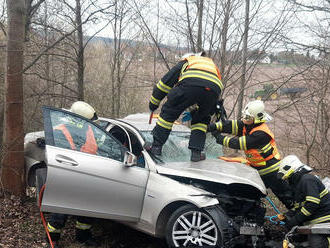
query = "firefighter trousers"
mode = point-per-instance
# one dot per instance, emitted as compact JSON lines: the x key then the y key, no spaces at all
{"x":180,"y":98}
{"x":57,"y":222}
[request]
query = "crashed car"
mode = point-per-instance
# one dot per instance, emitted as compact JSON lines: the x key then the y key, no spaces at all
{"x":211,"y":203}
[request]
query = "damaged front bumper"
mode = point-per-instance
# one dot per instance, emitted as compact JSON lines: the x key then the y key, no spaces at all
{"x":231,"y":232}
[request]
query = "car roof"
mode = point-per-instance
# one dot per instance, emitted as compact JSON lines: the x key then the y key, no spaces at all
{"x":141,"y":122}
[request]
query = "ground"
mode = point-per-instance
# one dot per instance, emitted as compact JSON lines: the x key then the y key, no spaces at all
{"x":21,"y":227}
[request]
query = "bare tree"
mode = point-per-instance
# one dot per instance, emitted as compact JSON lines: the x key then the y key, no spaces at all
{"x":200,"y":7}
{"x":244,"y":57}
{"x":31,"y":9}
{"x":12,"y":171}
{"x":80,"y":52}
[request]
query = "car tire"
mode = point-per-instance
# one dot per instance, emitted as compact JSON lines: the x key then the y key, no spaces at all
{"x":190,"y":226}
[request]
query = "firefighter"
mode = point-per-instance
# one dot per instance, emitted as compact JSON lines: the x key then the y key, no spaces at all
{"x":311,"y":199}
{"x":253,"y":136}
{"x":66,"y":134}
{"x":194,"y":80}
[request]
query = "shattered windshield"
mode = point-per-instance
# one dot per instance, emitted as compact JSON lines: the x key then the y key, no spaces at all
{"x":176,"y":147}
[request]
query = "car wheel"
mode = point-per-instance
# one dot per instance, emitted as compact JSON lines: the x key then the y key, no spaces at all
{"x":190,"y":226}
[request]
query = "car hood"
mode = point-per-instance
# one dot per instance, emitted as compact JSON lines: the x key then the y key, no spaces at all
{"x":218,"y":171}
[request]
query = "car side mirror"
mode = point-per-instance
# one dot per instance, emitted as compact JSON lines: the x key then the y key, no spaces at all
{"x":129,"y":159}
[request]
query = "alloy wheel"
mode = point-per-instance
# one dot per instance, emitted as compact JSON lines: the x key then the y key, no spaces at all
{"x":194,"y":228}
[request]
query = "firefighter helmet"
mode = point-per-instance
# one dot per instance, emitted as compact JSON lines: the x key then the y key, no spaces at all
{"x":256,"y":109}
{"x":84,"y":109}
{"x":290,"y":165}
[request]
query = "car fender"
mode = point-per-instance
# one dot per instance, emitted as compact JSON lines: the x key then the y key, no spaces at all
{"x":163,"y":191}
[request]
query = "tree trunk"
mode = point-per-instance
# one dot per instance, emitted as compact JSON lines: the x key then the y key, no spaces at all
{"x":12,"y":175}
{"x":80,"y":55}
{"x":1,"y":130}
{"x":223,"y":48}
{"x":190,"y":31}
{"x":244,"y":57}
{"x":200,"y":6}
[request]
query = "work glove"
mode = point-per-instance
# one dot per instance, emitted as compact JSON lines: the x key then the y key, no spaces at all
{"x":291,"y":222}
{"x":218,"y":137}
{"x":152,"y":107}
{"x":186,"y":117}
{"x":211,"y":127}
{"x":290,"y":214}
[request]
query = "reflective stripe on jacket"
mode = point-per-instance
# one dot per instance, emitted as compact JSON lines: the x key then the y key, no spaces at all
{"x":311,"y":199}
{"x":254,"y":156}
{"x":90,"y":145}
{"x":67,"y":135}
{"x":201,"y":67}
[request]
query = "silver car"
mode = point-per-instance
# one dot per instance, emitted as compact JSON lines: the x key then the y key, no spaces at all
{"x":208,"y":203}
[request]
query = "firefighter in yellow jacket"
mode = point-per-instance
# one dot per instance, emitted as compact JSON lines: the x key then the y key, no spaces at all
{"x":253,"y":136}
{"x":194,"y":80}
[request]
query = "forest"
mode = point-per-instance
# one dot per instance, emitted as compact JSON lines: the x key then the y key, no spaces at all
{"x":111,"y":53}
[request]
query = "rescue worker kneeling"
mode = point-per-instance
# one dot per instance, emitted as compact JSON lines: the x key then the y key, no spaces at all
{"x":65,"y":134}
{"x":254,"y":137}
{"x":194,"y":80}
{"x":311,"y":199}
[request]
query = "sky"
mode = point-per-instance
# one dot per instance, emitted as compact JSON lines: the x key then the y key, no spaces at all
{"x":269,"y":13}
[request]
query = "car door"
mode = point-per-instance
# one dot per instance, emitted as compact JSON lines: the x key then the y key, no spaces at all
{"x":80,"y":183}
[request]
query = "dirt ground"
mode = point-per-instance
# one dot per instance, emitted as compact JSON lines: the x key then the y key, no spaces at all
{"x":21,"y":227}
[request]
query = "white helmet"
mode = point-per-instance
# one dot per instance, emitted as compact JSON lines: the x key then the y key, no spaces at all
{"x":202,"y":53}
{"x":84,"y":109}
{"x":291,"y":164}
{"x":256,"y":109}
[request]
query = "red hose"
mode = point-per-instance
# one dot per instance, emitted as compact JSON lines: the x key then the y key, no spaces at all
{"x":42,"y":215}
{"x":150,"y":118}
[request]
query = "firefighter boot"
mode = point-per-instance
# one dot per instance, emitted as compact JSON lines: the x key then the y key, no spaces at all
{"x":156,"y":150}
{"x":197,"y":155}
{"x":153,"y":149}
{"x":85,"y":237}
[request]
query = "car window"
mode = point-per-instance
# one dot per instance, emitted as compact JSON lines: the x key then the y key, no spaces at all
{"x":176,"y":147}
{"x":72,"y":132}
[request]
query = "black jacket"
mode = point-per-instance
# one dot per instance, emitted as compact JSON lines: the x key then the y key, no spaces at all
{"x":171,"y":79}
{"x":311,"y":199}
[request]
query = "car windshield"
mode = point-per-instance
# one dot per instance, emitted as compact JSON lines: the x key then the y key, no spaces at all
{"x":176,"y":147}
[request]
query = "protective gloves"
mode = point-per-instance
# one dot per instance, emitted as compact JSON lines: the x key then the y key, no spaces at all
{"x":186,"y":117}
{"x":290,"y":214}
{"x":152,"y":107}
{"x":291,"y":222}
{"x":211,"y":127}
{"x":218,"y":137}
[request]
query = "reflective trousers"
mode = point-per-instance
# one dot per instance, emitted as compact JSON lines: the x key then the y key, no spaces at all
{"x":179,"y":99}
{"x":57,"y":222}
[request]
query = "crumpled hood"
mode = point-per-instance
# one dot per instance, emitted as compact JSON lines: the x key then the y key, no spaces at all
{"x":215,"y":171}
